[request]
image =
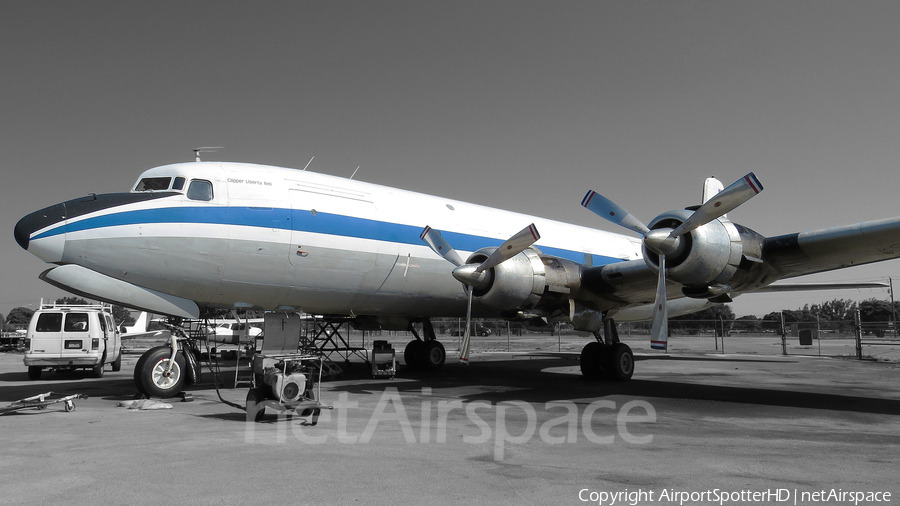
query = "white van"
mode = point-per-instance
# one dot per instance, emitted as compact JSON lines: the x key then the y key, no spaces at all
{"x":67,"y":336}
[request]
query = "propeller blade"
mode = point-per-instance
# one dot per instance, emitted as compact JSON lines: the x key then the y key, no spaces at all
{"x":660,"y":334}
{"x":739,"y":192}
{"x":609,"y":210}
{"x":512,"y":247}
{"x":440,"y":246}
{"x":464,"y":349}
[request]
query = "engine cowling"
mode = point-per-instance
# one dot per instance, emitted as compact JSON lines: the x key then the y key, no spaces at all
{"x":711,"y":260}
{"x":527,"y":282}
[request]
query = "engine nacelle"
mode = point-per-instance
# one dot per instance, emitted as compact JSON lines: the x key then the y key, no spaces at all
{"x":528,"y":281}
{"x":708,"y":258}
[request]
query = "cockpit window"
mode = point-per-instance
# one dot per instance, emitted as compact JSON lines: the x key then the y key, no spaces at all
{"x":200,"y":190}
{"x":153,"y":184}
{"x":178,"y":184}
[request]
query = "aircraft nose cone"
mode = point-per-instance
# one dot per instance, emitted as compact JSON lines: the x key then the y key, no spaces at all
{"x":36,"y":221}
{"x":23,"y":233}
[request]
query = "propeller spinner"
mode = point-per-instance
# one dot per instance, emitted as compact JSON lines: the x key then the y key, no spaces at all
{"x":666,"y":241}
{"x":474,"y":276}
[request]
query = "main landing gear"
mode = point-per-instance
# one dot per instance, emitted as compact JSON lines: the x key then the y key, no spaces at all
{"x":610,"y":359}
{"x":428,"y":353}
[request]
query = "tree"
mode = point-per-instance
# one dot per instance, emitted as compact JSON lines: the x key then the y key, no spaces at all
{"x":72,"y":300}
{"x":835,"y":310}
{"x":708,"y":319}
{"x":19,"y":316}
{"x":122,"y":316}
{"x":874,"y":316}
{"x":748,"y":323}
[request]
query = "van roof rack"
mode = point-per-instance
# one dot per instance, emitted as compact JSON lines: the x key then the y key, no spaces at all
{"x":100,"y":306}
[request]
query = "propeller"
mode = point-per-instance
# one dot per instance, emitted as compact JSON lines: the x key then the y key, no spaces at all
{"x":474,"y":276}
{"x":667,"y":241}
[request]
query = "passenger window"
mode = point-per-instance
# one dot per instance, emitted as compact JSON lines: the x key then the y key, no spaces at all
{"x":76,"y":322}
{"x":153,"y":184}
{"x":200,"y":190}
{"x":178,"y":184}
{"x":49,"y":322}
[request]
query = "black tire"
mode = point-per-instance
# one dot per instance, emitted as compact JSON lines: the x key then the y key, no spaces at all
{"x":620,"y":362}
{"x":592,"y":360}
{"x":255,"y":412}
{"x":117,"y":363}
{"x":412,"y":352}
{"x":34,"y":372}
{"x":149,"y":373}
{"x":432,"y":355}
{"x":97,"y":370}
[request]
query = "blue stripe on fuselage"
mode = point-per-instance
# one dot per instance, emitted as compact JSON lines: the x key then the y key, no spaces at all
{"x":303,"y":221}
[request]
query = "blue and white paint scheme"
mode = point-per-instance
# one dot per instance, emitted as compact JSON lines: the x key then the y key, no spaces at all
{"x":237,"y":235}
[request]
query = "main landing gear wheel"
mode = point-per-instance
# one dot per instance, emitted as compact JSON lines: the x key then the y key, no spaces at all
{"x":620,"y":362}
{"x":411,"y":353}
{"x":592,"y":360}
{"x":428,"y":355}
{"x":151,"y":377}
{"x":615,"y":362}
{"x":432,"y":355}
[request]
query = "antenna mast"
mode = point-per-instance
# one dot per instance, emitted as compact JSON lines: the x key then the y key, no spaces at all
{"x":207,"y":149}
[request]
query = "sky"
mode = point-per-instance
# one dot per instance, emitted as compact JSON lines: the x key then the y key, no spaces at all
{"x":512,"y":104}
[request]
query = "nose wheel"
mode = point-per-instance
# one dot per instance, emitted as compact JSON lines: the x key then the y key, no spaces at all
{"x":156,"y":376}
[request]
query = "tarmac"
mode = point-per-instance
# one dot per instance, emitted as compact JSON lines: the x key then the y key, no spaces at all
{"x":693,"y":426}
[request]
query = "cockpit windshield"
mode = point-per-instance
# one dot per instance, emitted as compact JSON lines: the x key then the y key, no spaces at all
{"x":153,"y":184}
{"x":150,"y":184}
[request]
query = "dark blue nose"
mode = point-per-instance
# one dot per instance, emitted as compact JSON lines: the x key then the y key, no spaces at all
{"x":38,"y":220}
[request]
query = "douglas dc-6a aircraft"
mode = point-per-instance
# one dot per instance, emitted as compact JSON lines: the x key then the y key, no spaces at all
{"x":236,"y":235}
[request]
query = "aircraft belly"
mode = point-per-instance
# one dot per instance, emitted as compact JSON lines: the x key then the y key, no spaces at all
{"x":189,"y":267}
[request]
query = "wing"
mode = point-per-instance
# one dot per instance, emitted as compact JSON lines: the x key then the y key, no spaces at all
{"x":833,"y":248}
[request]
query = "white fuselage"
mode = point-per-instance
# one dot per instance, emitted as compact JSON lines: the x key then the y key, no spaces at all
{"x":277,"y":238}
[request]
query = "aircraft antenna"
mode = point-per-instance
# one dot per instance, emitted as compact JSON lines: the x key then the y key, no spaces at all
{"x":354,"y":172}
{"x":207,"y":149}
{"x":309,"y":162}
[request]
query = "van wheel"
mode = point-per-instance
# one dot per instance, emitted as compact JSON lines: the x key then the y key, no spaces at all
{"x":34,"y":372}
{"x":150,"y":373}
{"x":117,"y":364}
{"x":97,"y":370}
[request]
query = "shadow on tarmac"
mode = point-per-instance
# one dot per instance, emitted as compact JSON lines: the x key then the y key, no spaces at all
{"x":530,"y":381}
{"x":538,"y":380}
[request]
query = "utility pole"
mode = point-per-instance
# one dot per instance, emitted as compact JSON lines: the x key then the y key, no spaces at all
{"x":893,"y":311}
{"x":783,"y":335}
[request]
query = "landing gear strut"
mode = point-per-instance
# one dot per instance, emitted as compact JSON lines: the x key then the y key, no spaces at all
{"x":428,"y":354}
{"x":610,"y":359}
